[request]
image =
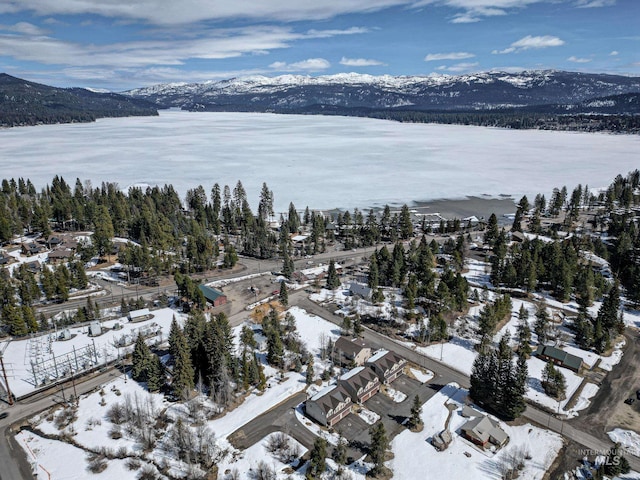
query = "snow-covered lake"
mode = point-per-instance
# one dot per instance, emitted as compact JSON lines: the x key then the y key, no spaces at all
{"x":322,"y":162}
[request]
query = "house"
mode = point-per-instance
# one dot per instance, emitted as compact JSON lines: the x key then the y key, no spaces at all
{"x":387,"y":365}
{"x":33,"y":267}
{"x":360,"y":290}
{"x":30,"y":248}
{"x":213,"y":296}
{"x":361,"y":383}
{"x":139,"y":315}
{"x":4,"y":259}
{"x":329,"y":405}
{"x":351,"y":351}
{"x":482,"y":430}
{"x":60,"y":256}
{"x":559,"y":357}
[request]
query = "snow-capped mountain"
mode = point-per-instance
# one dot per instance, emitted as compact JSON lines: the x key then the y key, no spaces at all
{"x":479,"y":91}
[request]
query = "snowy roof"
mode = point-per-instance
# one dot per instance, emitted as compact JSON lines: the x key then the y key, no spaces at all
{"x":323,"y":392}
{"x":351,"y":373}
{"x":379,"y":354}
{"x":139,"y":313}
{"x":330,"y":397}
{"x":299,"y":238}
{"x":485,"y":429}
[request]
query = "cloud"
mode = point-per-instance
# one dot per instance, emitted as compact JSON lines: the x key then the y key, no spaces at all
{"x":360,"y":62}
{"x":575,"y":59}
{"x":448,"y":56}
{"x":332,"y":33}
{"x":614,"y":53}
{"x":308,"y":65}
{"x":531,"y":42}
{"x":458,"y":67}
{"x":24,"y":28}
{"x":595,"y":3}
{"x":171,"y":12}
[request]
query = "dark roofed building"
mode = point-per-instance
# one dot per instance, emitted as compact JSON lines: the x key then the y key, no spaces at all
{"x":360,"y":290}
{"x":361,"y":383}
{"x":387,"y":365}
{"x":60,"y":255}
{"x":351,"y":351}
{"x":329,"y":406}
{"x":31,"y":248}
{"x":559,"y":357}
{"x":213,"y":296}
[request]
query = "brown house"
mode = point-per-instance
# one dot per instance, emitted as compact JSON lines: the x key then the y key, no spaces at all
{"x":351,"y":351}
{"x":361,"y":383}
{"x":329,"y":405}
{"x":60,"y":255}
{"x":559,"y":357}
{"x":482,"y":431}
{"x":387,"y":365}
{"x":213,"y":296}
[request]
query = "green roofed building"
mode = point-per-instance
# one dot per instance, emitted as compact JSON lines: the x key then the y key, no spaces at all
{"x":213,"y":296}
{"x":559,"y":357}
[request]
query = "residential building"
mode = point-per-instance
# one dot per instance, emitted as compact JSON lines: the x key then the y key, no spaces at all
{"x":559,"y":357}
{"x":329,"y":405}
{"x":483,"y":430}
{"x":360,"y":290}
{"x":387,"y":365}
{"x":361,"y":383}
{"x":351,"y":351}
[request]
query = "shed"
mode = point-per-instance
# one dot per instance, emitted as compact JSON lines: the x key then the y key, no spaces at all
{"x":213,"y":296}
{"x":139,"y":315}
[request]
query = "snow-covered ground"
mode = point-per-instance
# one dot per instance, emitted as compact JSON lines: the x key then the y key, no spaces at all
{"x":414,"y":455}
{"x":421,"y":376}
{"x":146,"y":153}
{"x":628,"y":439}
{"x":313,"y":329}
{"x":19,"y":354}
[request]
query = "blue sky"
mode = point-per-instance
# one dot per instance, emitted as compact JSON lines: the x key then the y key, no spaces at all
{"x":121,"y":44}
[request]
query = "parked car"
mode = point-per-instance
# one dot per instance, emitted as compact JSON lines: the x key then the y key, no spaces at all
{"x":638,"y":394}
{"x":630,"y":400}
{"x":3,"y":415}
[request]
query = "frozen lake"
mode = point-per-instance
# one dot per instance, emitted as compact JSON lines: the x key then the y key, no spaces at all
{"x":322,"y":162}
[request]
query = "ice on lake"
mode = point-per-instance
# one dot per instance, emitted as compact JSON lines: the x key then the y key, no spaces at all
{"x":319,"y":161}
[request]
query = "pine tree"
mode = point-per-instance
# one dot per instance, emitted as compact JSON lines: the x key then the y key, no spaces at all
{"x":416,"y":411}
{"x":183,"y":374}
{"x":542,"y":323}
{"x":309,"y":376}
{"x":524,"y":332}
{"x":284,"y":294}
{"x":317,"y":459}
{"x":140,"y":360}
{"x":333,"y":281}
{"x":155,"y":374}
{"x":379,"y":447}
{"x":262,"y":379}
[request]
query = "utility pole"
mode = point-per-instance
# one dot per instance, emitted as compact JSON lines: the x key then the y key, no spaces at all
{"x":6,"y":381}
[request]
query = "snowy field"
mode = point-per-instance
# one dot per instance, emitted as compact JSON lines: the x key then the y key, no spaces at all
{"x":414,"y":453}
{"x":412,"y":161}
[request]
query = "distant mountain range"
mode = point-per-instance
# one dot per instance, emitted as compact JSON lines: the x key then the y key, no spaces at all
{"x":541,"y":91}
{"x":28,"y":103}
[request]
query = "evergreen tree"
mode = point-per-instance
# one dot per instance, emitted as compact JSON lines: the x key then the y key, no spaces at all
{"x":416,"y":411}
{"x":379,"y":447}
{"x":553,"y":381}
{"x":284,"y":294}
{"x":309,"y":376}
{"x":541,"y":325}
{"x":524,"y":332}
{"x":140,"y":360}
{"x":155,"y":374}
{"x":317,"y":459}
{"x":183,"y":373}
{"x":333,"y":281}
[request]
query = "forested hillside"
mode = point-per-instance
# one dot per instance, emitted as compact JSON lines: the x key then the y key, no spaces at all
{"x":28,"y":103}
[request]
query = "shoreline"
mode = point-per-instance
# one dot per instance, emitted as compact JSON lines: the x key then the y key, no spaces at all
{"x":466,"y":207}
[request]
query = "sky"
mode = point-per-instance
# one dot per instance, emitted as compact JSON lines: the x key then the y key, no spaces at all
{"x":123,"y":44}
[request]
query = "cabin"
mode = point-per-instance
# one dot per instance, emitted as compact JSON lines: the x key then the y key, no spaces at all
{"x":483,"y":431}
{"x":361,"y":383}
{"x":31,"y":248}
{"x":387,"y":365}
{"x":60,"y":256}
{"x":351,"y":351}
{"x":329,"y":405}
{"x":559,"y":357}
{"x":213,"y":296}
